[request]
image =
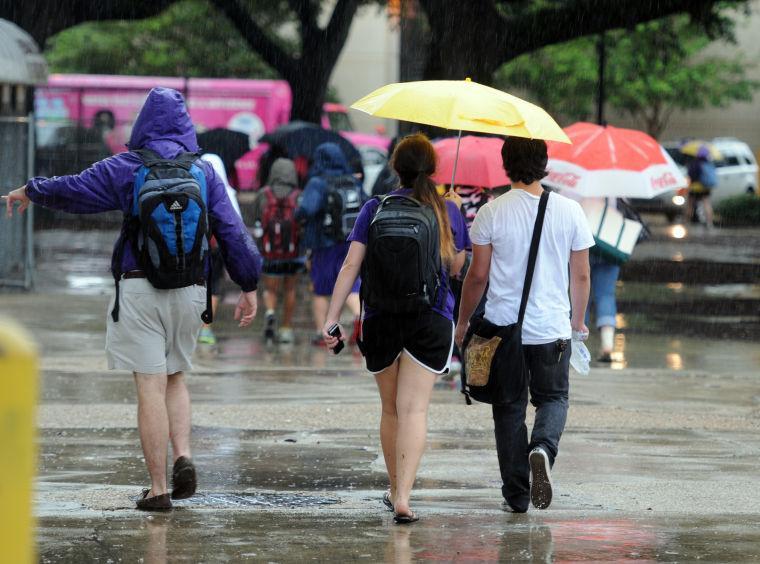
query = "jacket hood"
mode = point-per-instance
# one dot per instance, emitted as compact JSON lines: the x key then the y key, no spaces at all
{"x":329,"y":160}
{"x":163,"y":121}
{"x":283,"y":174}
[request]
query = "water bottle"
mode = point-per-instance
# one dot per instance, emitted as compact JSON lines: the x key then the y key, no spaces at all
{"x":258,"y":230}
{"x":580,"y":357}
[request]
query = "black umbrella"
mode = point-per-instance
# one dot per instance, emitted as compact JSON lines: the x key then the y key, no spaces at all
{"x":301,"y":138}
{"x":229,"y":145}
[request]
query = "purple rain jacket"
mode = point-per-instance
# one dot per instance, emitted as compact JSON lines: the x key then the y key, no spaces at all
{"x":163,"y":126}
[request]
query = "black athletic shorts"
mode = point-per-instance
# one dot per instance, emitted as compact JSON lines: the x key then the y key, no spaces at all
{"x":283,"y":267}
{"x":427,"y":337}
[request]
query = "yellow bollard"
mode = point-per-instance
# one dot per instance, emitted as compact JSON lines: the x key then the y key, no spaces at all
{"x":18,"y":399}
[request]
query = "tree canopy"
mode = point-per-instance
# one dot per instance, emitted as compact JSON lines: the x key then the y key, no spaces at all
{"x":472,"y":38}
{"x":476,"y":37}
{"x":190,"y":38}
{"x":658,"y":68}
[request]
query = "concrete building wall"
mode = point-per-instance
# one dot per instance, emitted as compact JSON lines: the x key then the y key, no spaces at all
{"x":369,"y":60}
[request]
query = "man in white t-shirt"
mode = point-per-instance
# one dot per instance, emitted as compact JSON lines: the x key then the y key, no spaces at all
{"x":501,"y":235}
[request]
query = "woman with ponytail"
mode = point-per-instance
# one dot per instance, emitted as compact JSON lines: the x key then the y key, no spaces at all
{"x":405,"y":348}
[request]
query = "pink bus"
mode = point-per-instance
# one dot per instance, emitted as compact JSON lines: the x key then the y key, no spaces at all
{"x":83,"y":118}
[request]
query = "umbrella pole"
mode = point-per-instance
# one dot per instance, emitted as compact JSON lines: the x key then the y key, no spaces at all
{"x":456,"y":160}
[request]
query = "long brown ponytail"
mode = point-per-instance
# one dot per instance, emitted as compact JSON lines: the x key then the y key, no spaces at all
{"x":414,"y":160}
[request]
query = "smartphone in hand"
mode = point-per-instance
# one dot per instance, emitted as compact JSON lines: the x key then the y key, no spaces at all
{"x":334,"y":331}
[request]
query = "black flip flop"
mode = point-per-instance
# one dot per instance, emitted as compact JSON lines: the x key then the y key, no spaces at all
{"x":387,"y":501}
{"x":405,"y":519}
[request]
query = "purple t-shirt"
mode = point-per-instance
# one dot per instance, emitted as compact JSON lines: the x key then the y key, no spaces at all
{"x":360,"y":234}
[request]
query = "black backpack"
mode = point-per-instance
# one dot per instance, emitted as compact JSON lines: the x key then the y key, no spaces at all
{"x":168,"y":224}
{"x":402,"y":266}
{"x":343,"y":202}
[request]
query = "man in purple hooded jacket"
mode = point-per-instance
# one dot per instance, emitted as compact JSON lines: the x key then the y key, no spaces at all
{"x":156,"y":331}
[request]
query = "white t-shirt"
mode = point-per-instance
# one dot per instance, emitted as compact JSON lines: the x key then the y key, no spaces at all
{"x":506,"y":224}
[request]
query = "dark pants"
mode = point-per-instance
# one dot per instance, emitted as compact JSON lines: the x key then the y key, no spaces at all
{"x":549,"y":388}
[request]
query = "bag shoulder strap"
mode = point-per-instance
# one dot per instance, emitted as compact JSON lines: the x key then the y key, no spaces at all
{"x":151,"y":158}
{"x":533,"y":254}
{"x":148,"y":157}
{"x":269,"y":196}
{"x":388,"y":198}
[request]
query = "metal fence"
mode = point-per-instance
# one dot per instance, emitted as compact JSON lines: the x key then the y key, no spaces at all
{"x":16,"y":233}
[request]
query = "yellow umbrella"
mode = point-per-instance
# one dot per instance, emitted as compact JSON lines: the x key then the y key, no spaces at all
{"x":692,"y":148}
{"x":461,"y":105}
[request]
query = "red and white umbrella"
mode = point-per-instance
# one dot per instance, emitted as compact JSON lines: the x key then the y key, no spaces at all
{"x":606,"y":161}
{"x":477,"y":161}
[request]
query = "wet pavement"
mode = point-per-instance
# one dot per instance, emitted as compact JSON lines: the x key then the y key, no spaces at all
{"x":658,"y":461}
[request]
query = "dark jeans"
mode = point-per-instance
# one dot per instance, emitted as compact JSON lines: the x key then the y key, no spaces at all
{"x":549,"y":386}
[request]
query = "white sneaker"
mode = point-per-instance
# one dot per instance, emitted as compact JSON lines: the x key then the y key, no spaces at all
{"x":286,"y":335}
{"x":541,"y":482}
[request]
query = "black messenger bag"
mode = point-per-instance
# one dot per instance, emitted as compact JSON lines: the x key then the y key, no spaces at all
{"x":494,"y":369}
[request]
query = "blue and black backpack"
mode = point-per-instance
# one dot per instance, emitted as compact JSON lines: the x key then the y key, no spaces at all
{"x":168,"y":226}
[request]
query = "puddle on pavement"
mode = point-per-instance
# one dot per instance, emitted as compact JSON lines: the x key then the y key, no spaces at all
{"x":227,"y":459}
{"x":265,"y":500}
{"x":283,"y":537}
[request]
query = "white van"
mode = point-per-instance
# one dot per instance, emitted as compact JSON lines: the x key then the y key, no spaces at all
{"x":737,"y":170}
{"x":737,"y":174}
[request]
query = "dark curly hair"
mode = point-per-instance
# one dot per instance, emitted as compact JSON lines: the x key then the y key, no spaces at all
{"x":524,"y":159}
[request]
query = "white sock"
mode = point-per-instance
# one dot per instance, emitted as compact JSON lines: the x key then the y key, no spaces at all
{"x":607,"y":338}
{"x":270,"y":312}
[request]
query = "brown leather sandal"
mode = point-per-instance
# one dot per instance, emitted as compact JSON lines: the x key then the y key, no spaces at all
{"x":156,"y":503}
{"x":184,"y":479}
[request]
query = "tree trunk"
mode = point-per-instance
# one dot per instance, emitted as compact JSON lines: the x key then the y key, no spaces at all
{"x":463,"y":41}
{"x":308,"y":73}
{"x":309,"y":89}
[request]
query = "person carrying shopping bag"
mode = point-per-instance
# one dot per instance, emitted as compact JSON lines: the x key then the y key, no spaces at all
{"x":528,"y":247}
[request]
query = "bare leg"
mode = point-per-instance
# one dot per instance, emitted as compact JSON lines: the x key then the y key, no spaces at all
{"x":707,"y":206}
{"x":354,"y":304}
{"x":178,"y":409}
{"x":289,"y":300}
{"x":153,"y":424}
{"x":415,"y":385}
{"x":319,"y":309}
{"x":387,"y":383}
{"x":271,"y":288}
{"x":690,"y":200}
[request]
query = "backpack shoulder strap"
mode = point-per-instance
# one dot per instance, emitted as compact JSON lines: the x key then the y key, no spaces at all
{"x":292,"y":199}
{"x":398,"y":197}
{"x":186,"y":159}
{"x":148,"y":157}
{"x":537,"y":229}
{"x":268,"y":195}
{"x":151,"y":158}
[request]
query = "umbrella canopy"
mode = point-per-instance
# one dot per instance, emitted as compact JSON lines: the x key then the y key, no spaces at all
{"x":692,"y":148}
{"x":229,"y":145}
{"x":611,"y":162}
{"x":461,"y":105}
{"x":301,"y":138}
{"x":479,"y":161}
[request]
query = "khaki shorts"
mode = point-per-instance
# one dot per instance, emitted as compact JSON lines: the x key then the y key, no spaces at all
{"x":157,"y":329}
